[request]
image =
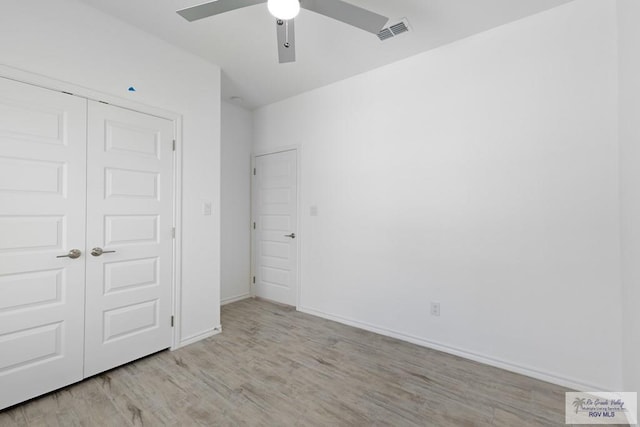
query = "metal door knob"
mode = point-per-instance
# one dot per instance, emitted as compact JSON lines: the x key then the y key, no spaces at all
{"x":292,"y":235}
{"x":73,"y":254}
{"x":100,"y":251}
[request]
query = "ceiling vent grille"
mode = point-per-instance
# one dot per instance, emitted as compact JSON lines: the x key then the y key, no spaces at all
{"x":394,"y":30}
{"x":385,"y":33}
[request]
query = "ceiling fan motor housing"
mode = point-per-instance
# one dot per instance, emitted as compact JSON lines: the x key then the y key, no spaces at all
{"x":284,"y":9}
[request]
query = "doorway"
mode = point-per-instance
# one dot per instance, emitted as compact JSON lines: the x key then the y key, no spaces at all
{"x":275,"y":227}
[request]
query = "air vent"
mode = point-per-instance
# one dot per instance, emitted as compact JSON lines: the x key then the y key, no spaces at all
{"x":394,"y":30}
{"x":385,"y":33}
{"x":399,"y":28}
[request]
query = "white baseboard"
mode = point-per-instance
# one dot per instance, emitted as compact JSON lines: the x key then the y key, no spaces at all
{"x":235,"y":299}
{"x":195,"y":338}
{"x":487,"y":360}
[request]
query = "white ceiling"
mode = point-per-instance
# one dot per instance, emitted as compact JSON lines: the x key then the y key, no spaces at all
{"x":243,"y":42}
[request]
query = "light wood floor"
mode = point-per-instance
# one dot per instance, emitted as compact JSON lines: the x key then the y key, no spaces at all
{"x":274,"y":366}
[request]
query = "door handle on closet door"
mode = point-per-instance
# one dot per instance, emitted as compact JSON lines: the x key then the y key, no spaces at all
{"x":73,"y":254}
{"x":99,"y":251}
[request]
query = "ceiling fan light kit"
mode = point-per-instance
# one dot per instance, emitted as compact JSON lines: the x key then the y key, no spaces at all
{"x":286,"y":10}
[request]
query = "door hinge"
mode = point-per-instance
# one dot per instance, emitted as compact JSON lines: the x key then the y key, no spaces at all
{"x":172,"y":321}
{"x":174,"y":145}
{"x":254,"y":279}
{"x":254,"y":225}
{"x":173,"y":233}
{"x":254,"y":171}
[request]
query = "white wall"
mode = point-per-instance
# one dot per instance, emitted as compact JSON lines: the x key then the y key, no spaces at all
{"x":66,"y":40}
{"x":629,"y":54}
{"x":236,"y":203}
{"x":482,"y":175}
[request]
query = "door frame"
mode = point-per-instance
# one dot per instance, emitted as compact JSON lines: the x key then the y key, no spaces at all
{"x":299,"y":235}
{"x":71,"y":89}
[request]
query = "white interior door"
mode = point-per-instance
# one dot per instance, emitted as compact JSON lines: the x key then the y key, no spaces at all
{"x":275,"y":216}
{"x":42,"y":216}
{"x":129,"y":218}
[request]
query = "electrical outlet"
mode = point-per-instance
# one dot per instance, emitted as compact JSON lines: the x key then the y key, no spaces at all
{"x":435,"y":309}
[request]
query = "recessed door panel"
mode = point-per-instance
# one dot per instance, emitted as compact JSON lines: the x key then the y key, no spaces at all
{"x":132,"y":184}
{"x":31,"y":233}
{"x":275,"y":276}
{"x":42,"y":217}
{"x":130,"y":320}
{"x":23,"y":175}
{"x":132,"y":139}
{"x":31,"y":289}
{"x":275,"y":222}
{"x":19,"y":119}
{"x":279,"y":250}
{"x":131,"y":229}
{"x":20,"y":349}
{"x":125,"y":275}
{"x":275,"y":199}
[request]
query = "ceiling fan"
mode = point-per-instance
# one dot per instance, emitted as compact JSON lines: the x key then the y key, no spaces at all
{"x":286,"y":10}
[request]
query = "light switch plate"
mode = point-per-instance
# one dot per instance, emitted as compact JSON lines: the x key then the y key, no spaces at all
{"x":206,"y":208}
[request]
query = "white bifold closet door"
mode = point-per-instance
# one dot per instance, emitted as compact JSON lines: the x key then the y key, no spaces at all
{"x":86,"y":242}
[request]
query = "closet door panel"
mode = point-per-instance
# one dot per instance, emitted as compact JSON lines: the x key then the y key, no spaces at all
{"x":42,"y":218}
{"x":130,"y":219}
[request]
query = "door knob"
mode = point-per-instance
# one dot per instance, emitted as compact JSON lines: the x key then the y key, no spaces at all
{"x":292,"y":235}
{"x":99,"y":251}
{"x":73,"y":254}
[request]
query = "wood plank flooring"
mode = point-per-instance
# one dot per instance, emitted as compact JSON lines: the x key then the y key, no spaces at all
{"x":274,"y":366}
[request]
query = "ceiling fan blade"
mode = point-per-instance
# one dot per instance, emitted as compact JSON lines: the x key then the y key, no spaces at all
{"x":347,"y":13}
{"x":215,"y":8}
{"x":286,"y":41}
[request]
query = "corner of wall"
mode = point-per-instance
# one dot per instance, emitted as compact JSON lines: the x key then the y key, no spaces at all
{"x":629,"y":143}
{"x":236,"y":145}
